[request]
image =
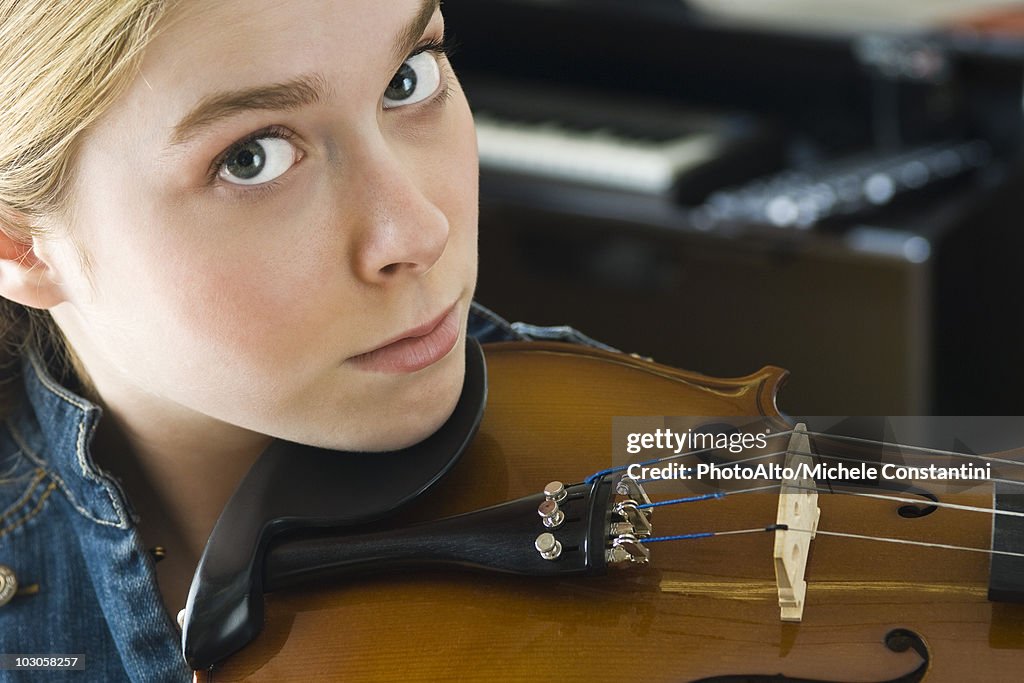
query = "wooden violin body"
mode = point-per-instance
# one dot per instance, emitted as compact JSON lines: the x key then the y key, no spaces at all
{"x":704,"y":609}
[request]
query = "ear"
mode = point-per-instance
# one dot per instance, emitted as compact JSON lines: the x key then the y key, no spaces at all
{"x":25,"y":277}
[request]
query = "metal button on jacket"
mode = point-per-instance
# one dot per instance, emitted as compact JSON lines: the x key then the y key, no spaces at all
{"x":8,"y":584}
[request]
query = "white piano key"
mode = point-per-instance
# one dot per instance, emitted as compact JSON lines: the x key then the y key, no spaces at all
{"x":592,"y":157}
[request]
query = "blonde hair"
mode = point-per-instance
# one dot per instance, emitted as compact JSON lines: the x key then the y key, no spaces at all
{"x":62,"y":64}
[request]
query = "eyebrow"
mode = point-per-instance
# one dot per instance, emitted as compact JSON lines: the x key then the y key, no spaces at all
{"x":293,"y":94}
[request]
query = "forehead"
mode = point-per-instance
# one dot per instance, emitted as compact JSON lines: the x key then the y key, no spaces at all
{"x":207,"y":47}
{"x":210,"y":44}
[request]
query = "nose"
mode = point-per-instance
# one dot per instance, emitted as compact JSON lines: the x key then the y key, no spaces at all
{"x":403,"y":231}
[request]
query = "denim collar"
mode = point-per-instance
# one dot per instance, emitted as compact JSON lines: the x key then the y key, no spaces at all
{"x":54,"y":428}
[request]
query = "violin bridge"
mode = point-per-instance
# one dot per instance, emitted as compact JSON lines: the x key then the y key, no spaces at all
{"x":797,"y":522}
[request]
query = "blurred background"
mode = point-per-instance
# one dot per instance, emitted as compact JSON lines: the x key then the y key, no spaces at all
{"x":831,"y":186}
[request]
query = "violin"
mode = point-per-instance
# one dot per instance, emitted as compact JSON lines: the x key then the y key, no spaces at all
{"x":576,"y":592}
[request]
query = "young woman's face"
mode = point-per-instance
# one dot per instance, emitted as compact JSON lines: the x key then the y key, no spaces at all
{"x":285,"y":187}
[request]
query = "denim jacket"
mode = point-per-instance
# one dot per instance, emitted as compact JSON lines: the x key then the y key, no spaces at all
{"x":88,"y":586}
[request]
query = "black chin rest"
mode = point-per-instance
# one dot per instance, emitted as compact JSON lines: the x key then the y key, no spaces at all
{"x":300,"y":487}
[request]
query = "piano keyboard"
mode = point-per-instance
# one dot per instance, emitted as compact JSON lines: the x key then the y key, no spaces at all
{"x":597,"y":158}
{"x":593,"y":140}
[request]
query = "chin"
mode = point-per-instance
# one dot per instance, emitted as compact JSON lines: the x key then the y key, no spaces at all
{"x":420,"y":415}
{"x":407,"y":430}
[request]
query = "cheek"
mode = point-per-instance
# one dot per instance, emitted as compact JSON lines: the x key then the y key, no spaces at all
{"x":230,"y":303}
{"x":258,"y":309}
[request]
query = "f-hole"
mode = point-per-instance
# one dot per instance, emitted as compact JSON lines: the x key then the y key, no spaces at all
{"x":897,"y":640}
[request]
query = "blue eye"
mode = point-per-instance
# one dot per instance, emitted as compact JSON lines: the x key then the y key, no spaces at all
{"x":258,"y":161}
{"x":418,"y":78}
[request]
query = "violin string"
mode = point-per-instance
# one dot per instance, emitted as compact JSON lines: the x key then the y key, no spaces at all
{"x":707,"y":534}
{"x":842,"y":534}
{"x":706,"y":496}
{"x":811,"y":454}
{"x":902,"y":447}
{"x":900,"y":499}
{"x":774,"y":527}
{"x":621,"y":468}
{"x":717,"y":495}
{"x":840,"y":437}
{"x":736,"y":463}
{"x":859,"y":494}
{"x":919,"y":449}
{"x":727,"y":465}
{"x":904,"y":541}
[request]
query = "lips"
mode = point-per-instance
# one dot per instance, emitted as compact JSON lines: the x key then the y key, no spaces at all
{"x":414,"y":349}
